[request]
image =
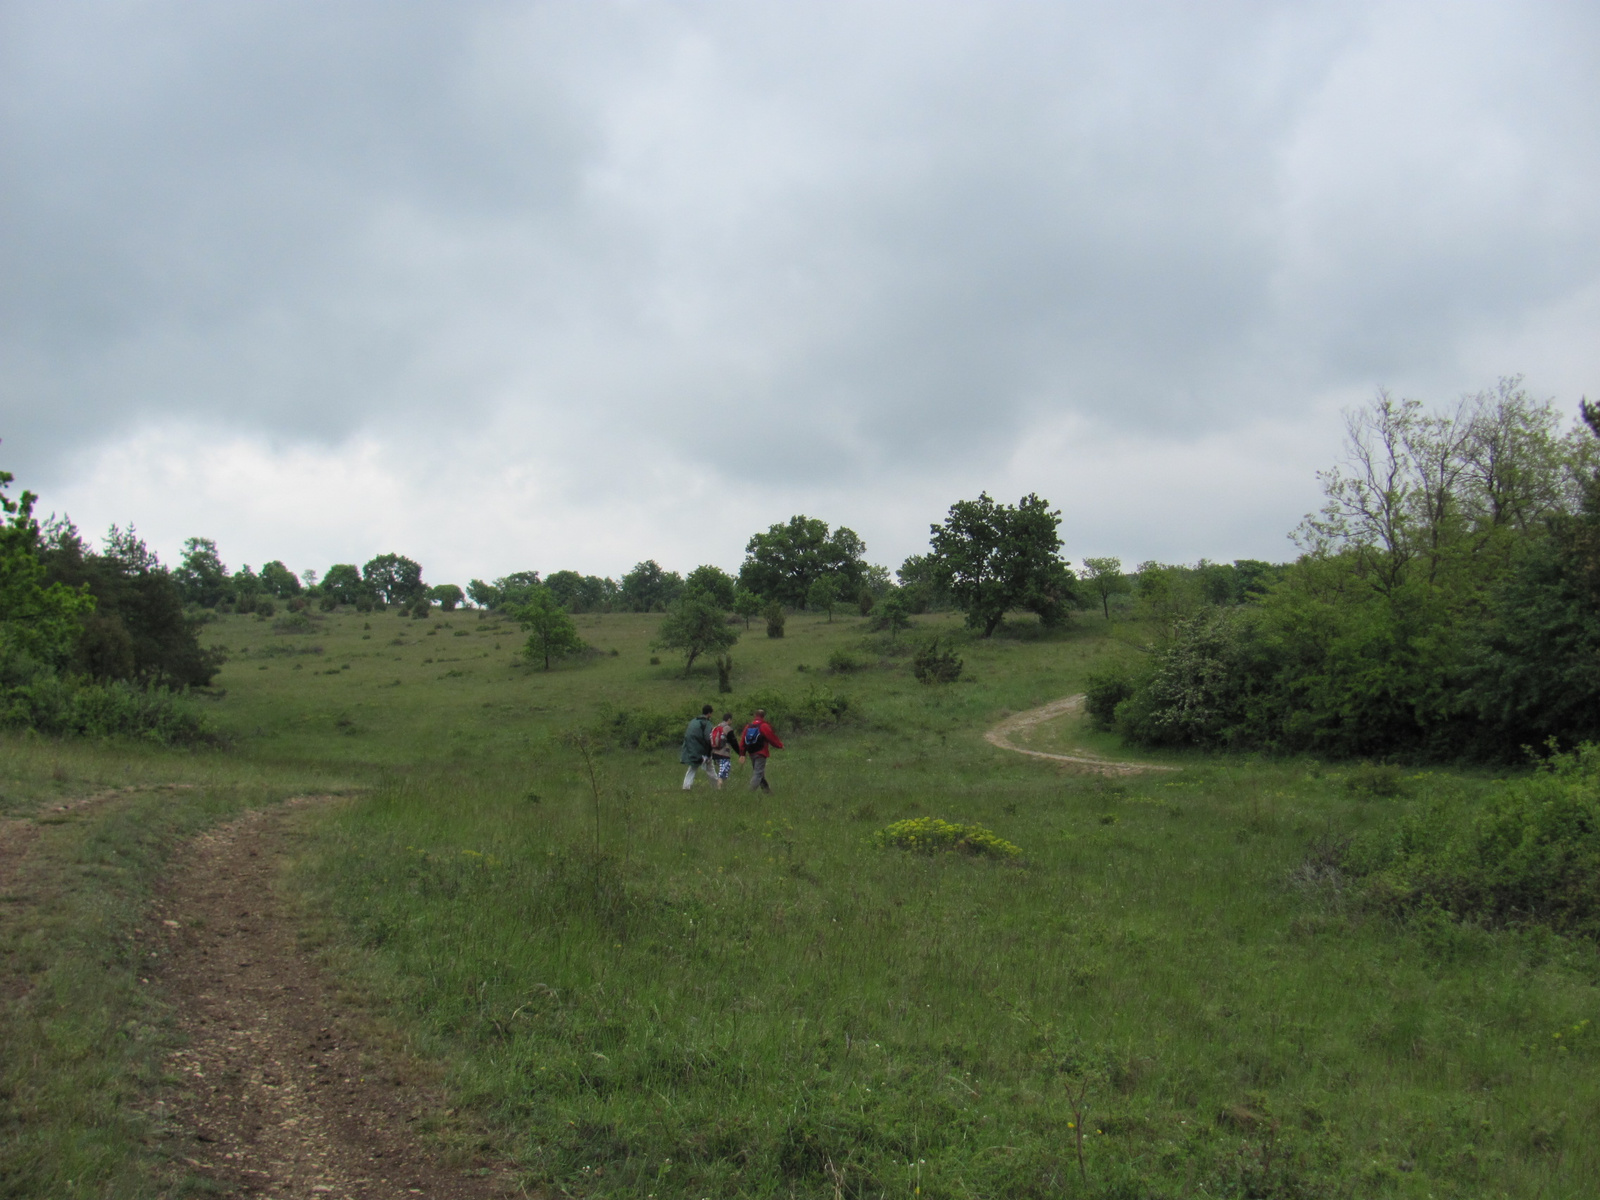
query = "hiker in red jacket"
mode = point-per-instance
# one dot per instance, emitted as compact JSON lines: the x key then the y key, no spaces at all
{"x":756,"y":741}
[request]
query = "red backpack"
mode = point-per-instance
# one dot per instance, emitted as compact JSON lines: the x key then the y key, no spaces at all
{"x":719,"y":735}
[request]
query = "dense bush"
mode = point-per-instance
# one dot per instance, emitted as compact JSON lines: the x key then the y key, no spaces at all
{"x":1530,"y":856}
{"x":1104,"y":690}
{"x":33,"y":697}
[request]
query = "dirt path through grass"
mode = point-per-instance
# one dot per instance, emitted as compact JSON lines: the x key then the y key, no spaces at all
{"x":1018,"y":723}
{"x":280,"y":1094}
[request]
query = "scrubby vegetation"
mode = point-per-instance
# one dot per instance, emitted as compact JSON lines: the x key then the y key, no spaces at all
{"x":1444,"y":606}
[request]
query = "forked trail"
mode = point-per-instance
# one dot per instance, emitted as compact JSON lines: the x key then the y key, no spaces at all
{"x":1018,"y":723}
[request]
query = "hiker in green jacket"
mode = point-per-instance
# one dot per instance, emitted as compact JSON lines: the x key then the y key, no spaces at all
{"x":696,"y":746}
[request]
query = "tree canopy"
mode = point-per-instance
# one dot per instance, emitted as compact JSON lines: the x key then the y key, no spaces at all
{"x":344,"y":584}
{"x":994,"y":558}
{"x":782,"y":563}
{"x":447,"y":595}
{"x":582,"y":593}
{"x":201,"y":577}
{"x":40,"y":619}
{"x":647,"y":588}
{"x":713,"y":582}
{"x":138,"y":630}
{"x":280,"y":582}
{"x":394,"y":579}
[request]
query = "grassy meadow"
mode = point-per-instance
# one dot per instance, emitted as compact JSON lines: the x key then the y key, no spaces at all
{"x":644,"y":992}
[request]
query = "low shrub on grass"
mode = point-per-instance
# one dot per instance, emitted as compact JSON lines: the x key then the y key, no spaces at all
{"x":628,"y":729}
{"x":842,"y":662}
{"x":933,"y":665}
{"x":1531,"y":856}
{"x":818,"y":708}
{"x":930,"y":835}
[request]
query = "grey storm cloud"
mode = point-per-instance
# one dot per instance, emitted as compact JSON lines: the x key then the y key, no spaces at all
{"x":903,"y":234}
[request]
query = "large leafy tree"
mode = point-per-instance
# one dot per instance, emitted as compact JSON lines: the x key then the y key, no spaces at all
{"x":277,"y":580}
{"x":647,"y":588}
{"x":394,"y":578}
{"x":782,"y":563}
{"x":39,"y":619}
{"x":994,"y":558}
{"x":201,"y":577}
{"x":344,"y":583}
{"x":551,"y":632}
{"x":695,"y":624}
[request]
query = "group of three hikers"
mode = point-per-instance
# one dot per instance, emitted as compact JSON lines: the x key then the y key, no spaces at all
{"x":713,"y":747}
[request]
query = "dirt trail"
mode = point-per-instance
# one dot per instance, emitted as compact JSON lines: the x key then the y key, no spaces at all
{"x":278,"y":1096}
{"x":1001,"y":735}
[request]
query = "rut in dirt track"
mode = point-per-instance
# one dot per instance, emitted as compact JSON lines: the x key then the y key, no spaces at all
{"x":278,"y":1096}
{"x":1021,"y":722}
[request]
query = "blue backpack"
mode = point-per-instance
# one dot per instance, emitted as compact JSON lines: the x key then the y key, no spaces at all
{"x":753,"y":737}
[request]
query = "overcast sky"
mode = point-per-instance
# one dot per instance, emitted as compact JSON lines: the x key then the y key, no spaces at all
{"x":522,"y":285}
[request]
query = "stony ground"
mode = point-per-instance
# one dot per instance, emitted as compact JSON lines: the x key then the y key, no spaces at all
{"x":281,"y":1095}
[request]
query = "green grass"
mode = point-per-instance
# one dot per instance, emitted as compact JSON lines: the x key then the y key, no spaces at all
{"x":717,"y":994}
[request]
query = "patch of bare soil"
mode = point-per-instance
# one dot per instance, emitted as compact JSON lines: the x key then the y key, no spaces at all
{"x":1002,"y":734}
{"x":280,"y":1094}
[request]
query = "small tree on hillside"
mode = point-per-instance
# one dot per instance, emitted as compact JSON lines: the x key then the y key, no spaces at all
{"x":551,"y":633}
{"x":891,"y":616}
{"x":1105,"y":579}
{"x":695,"y":624}
{"x":747,"y":604}
{"x":823,"y":594}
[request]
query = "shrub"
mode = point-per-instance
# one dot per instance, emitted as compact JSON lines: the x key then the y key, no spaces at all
{"x":626,"y":729}
{"x":264,"y":608}
{"x":328,"y":603}
{"x":295,"y":622}
{"x":35,"y":698}
{"x":842,"y":662}
{"x":1531,"y":856}
{"x":1104,"y":691}
{"x":775,"y":619}
{"x":818,"y":708}
{"x":933,"y":665}
{"x":930,"y":835}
